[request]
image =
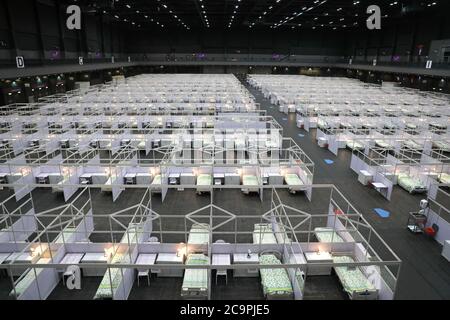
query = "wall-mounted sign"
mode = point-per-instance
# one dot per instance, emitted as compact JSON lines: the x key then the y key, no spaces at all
{"x":374,"y":62}
{"x":129,"y":59}
{"x":350,"y":61}
{"x":80,"y":61}
{"x":20,"y":62}
{"x":429,"y":64}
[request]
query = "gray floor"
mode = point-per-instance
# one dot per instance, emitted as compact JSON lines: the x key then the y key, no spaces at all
{"x":425,"y":273}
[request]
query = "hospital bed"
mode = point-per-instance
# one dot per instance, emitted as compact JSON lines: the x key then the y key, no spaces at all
{"x":65,"y":235}
{"x":383,"y":144}
{"x":294,"y":182}
{"x":156,"y":184}
{"x":327,"y":235}
{"x":108,"y":186}
{"x":411,"y":144}
{"x":441,"y":145}
{"x":250,"y":184}
{"x":444,"y":178}
{"x":204,"y":182}
{"x":275,"y":282}
{"x":263,"y":234}
{"x":195,"y":281}
{"x":59,"y":187}
{"x":199,"y":234}
{"x":410,"y":184}
{"x":113,"y":277}
{"x":353,"y":145}
{"x":27,"y":278}
{"x":355,"y":283}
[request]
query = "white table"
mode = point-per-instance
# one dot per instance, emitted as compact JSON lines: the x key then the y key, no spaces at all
{"x":72,"y":258}
{"x":316,"y":257}
{"x":169,"y":258}
{"x":322,"y":142}
{"x":381,"y":188}
{"x":145,"y":259}
{"x":221,"y":260}
{"x":364,"y":177}
{"x":92,"y":258}
{"x":243,"y":258}
{"x":446,"y":250}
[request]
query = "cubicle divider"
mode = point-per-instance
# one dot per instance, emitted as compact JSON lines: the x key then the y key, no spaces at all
{"x":18,"y":223}
{"x":381,"y":178}
{"x":38,"y":283}
{"x":117,"y":175}
{"x":73,"y":179}
{"x":333,"y":145}
{"x":24,"y":185}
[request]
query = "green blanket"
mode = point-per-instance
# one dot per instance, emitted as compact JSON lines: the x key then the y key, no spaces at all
{"x":199,"y":234}
{"x":274,"y":281}
{"x":204,"y":180}
{"x":411,"y":184}
{"x":196,"y":278}
{"x":352,"y":278}
{"x":327,"y":235}
{"x":249,"y":180}
{"x":263,"y":234}
{"x":293,"y":179}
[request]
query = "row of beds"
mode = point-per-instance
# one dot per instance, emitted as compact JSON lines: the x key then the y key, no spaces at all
{"x":276,"y":283}
{"x":250,"y":183}
{"x":406,"y":181}
{"x":204,"y":181}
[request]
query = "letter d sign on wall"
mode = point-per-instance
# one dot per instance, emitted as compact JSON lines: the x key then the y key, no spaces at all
{"x":20,"y":62}
{"x":74,"y":20}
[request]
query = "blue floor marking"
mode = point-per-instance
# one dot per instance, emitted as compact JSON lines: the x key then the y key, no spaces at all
{"x":328,"y":161}
{"x":382,"y":213}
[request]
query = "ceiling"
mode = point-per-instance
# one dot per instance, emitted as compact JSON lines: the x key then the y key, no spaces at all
{"x":255,"y":14}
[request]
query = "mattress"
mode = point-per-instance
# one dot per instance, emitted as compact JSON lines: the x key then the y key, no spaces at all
{"x":444,"y":178}
{"x":156,"y":180}
{"x":111,"y":280}
{"x":411,"y":184}
{"x":204,"y":180}
{"x":108,"y":185}
{"x":353,"y":145}
{"x":199,"y":234}
{"x":383,"y":144}
{"x":352,"y":278}
{"x":327,"y":235}
{"x":263,"y":234}
{"x":293,"y":179}
{"x":28,"y":278}
{"x":274,"y":281}
{"x":412,"y":145}
{"x":249,"y":180}
{"x":65,"y":235}
{"x":442,"y":145}
{"x":196,"y":279}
